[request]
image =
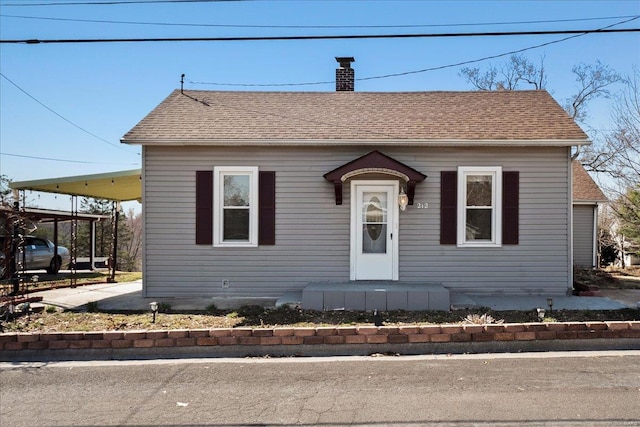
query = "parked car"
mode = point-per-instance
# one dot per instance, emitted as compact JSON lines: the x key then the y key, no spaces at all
{"x":39,"y":254}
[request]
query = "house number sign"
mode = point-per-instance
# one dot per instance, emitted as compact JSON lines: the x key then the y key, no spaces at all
{"x":420,"y":205}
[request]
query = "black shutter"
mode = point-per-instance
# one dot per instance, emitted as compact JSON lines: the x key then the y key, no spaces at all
{"x":266,"y":208}
{"x":510,"y":207}
{"x":204,"y":207}
{"x":448,"y":207}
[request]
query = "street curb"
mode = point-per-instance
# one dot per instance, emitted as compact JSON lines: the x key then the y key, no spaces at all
{"x":326,"y":341}
{"x":288,"y":351}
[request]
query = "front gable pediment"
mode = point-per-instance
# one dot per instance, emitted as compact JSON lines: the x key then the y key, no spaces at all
{"x":374,"y":162}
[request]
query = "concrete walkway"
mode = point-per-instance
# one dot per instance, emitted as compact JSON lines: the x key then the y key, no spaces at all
{"x":500,"y":303}
{"x":128,"y":296}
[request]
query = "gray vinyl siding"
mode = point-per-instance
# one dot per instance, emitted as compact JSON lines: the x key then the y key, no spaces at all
{"x":583,"y":240}
{"x":313,"y":233}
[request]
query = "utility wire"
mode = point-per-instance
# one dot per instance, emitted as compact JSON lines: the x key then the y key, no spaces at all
{"x":513,"y":52}
{"x":66,"y":160}
{"x":100,"y":21}
{"x":424,"y":70}
{"x":404,"y":73}
{"x":336,"y":37}
{"x":62,"y":117}
{"x":117,"y":2}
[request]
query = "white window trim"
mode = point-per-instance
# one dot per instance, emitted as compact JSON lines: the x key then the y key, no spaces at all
{"x":496,"y":195}
{"x":218,"y":179}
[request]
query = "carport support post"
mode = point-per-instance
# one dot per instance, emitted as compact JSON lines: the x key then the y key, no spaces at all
{"x":55,"y":237}
{"x":15,"y":274}
{"x":92,"y":245}
{"x":8,"y":248}
{"x":114,"y":253}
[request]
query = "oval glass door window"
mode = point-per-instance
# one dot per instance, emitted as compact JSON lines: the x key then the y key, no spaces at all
{"x":374,"y":227}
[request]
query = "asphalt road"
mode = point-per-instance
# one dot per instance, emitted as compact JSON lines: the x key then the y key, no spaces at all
{"x":550,"y":389}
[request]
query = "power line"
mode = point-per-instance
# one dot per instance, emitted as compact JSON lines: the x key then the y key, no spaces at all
{"x":59,"y":115}
{"x":424,"y":70}
{"x":404,"y":73}
{"x":116,"y":2}
{"x":101,"y":21}
{"x":326,"y":37}
{"x":65,"y":160}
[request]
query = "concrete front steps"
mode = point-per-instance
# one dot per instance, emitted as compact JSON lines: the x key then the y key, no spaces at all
{"x":370,"y":295}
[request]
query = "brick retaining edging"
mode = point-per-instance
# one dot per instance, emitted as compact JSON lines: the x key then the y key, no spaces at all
{"x":14,"y":343}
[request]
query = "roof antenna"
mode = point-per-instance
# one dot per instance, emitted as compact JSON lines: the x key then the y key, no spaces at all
{"x":182,"y":84}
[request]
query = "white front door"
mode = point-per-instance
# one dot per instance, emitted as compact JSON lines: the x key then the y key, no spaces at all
{"x":374,"y":230}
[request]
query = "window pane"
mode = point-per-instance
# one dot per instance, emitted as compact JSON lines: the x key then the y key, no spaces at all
{"x":40,"y":244}
{"x":374,"y":208}
{"x":236,"y":190}
{"x":478,"y":224}
{"x":374,"y":238}
{"x":479,"y":190}
{"x":236,"y":224}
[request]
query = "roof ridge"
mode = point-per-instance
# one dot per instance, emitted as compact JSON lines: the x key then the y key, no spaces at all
{"x":204,"y":115}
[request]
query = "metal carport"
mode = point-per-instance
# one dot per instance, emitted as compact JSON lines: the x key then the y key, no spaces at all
{"x":120,"y":186}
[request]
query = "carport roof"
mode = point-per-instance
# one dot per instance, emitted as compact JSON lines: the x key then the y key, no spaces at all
{"x":119,"y":186}
{"x":49,"y":215}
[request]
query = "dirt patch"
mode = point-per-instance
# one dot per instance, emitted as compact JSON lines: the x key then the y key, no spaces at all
{"x":612,"y":278}
{"x":52,"y":320}
{"x":258,"y":317}
{"x":628,"y":278}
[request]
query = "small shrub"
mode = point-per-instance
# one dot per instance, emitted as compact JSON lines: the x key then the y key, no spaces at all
{"x":92,"y":307}
{"x":250,"y":311}
{"x":484,"y":319}
{"x":232,"y":315}
{"x":51,"y":309}
{"x":211,"y":309}
{"x":164,"y":307}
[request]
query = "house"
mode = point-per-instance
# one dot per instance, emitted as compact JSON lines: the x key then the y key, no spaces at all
{"x":586,"y":198}
{"x":255,"y":194}
{"x":631,"y":256}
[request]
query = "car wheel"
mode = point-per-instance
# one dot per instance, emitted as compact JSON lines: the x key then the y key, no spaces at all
{"x":54,"y":266}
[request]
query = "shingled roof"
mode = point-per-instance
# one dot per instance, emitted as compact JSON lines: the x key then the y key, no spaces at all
{"x":428,"y":118}
{"x":585,"y":189}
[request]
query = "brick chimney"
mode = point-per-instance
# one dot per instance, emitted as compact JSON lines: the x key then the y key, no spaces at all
{"x":345,"y":74}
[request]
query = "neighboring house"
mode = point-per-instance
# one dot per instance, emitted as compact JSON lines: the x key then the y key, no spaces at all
{"x":254,"y":194}
{"x":628,"y":253}
{"x":631,"y":256}
{"x":586,"y":198}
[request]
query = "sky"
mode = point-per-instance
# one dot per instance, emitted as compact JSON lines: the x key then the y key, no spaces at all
{"x":65,"y":106}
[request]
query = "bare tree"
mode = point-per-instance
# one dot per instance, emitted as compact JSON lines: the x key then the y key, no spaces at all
{"x":512,"y":75}
{"x":6,"y":194}
{"x":131,"y":246}
{"x":617,"y":159}
{"x":610,"y":245}
{"x":625,"y":140}
{"x":618,"y":155}
{"x":594,"y":81}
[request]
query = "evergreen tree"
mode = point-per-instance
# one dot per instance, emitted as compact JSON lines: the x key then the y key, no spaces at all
{"x":104,"y":228}
{"x":628,"y":213}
